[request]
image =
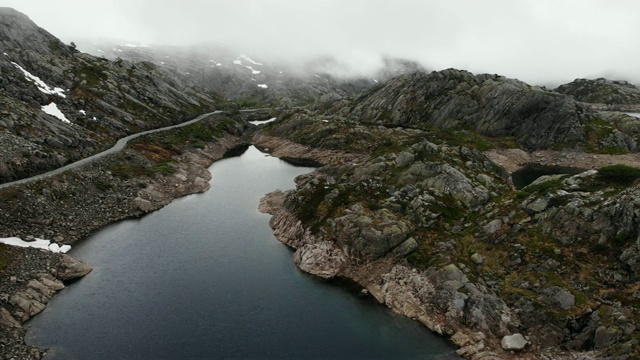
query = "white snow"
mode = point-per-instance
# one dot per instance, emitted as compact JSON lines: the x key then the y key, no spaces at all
{"x":37,"y":243}
{"x":239,"y":62}
{"x":258,"y":122}
{"x":100,"y":50}
{"x":82,"y":112}
{"x":253,"y":71}
{"x":264,"y":86}
{"x":249,"y":60}
{"x":135,"y":46}
{"x":41,"y":85}
{"x":94,"y":119}
{"x":118,"y":50}
{"x":375,"y":81}
{"x":52,"y":109}
{"x":5,"y":54}
{"x":325,"y":120}
{"x":216,"y":63}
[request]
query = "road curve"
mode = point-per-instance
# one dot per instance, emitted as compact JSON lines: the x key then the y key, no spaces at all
{"x":117,"y":147}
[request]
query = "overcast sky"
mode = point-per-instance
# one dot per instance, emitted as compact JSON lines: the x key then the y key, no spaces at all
{"x":538,"y":41}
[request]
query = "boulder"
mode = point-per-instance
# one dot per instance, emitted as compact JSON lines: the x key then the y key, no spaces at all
{"x":142,"y":204}
{"x":70,"y":268}
{"x":514,"y":342}
{"x":323,"y":259}
{"x":606,"y":336}
{"x":564,"y":299}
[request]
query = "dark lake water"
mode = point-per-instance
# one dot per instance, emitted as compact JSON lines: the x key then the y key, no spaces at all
{"x":204,"y":278}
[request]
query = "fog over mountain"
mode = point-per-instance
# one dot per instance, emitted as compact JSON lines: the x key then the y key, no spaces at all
{"x":538,"y":41}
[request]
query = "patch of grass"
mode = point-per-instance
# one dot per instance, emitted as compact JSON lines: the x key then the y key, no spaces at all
{"x":619,"y":174}
{"x":163,"y":168}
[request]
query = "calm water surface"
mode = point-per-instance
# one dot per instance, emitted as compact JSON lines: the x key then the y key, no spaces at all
{"x":204,"y":278}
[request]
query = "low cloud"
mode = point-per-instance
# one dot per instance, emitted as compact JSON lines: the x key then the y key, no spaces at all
{"x":538,"y":41}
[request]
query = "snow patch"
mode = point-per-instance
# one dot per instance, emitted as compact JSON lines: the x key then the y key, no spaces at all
{"x":37,"y":243}
{"x":136,"y":46}
{"x":239,"y":62}
{"x":82,"y":112}
{"x":249,"y":60}
{"x":52,"y":109}
{"x":5,"y":54}
{"x":41,"y":85}
{"x":264,"y":86}
{"x":258,"y":122}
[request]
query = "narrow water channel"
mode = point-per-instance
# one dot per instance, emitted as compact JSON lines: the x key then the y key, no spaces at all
{"x":204,"y":278}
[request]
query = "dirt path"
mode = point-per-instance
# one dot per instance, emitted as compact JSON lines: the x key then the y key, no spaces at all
{"x":514,"y":159}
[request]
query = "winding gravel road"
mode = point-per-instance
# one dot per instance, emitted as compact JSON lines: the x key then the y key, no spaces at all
{"x":117,"y":147}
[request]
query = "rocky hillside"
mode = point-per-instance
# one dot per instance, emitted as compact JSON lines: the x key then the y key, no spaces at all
{"x":254,"y":79}
{"x":489,"y":104}
{"x":608,"y":94}
{"x":60,"y":105}
{"x":421,"y":217}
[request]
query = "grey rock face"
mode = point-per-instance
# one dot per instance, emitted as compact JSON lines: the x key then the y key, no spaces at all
{"x":493,"y":105}
{"x":602,"y":91}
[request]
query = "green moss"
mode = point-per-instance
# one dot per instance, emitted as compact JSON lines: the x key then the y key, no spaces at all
{"x":163,"y":168}
{"x":619,"y":174}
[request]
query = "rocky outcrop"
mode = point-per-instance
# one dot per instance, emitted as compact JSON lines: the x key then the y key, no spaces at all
{"x":607,"y":94}
{"x":492,"y":105}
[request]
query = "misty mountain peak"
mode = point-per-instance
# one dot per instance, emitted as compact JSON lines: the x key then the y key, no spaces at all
{"x":18,"y":31}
